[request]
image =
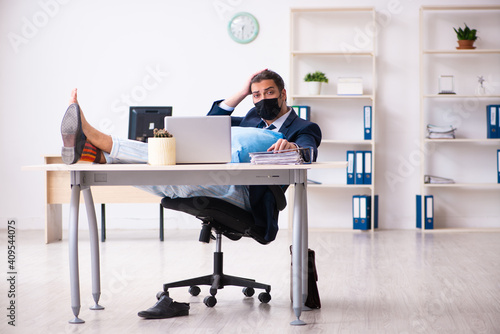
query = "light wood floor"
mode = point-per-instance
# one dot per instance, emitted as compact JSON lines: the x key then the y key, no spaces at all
{"x":383,"y":282}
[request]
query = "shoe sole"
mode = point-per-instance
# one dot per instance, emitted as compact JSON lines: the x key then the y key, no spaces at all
{"x":72,"y":135}
{"x":145,"y":315}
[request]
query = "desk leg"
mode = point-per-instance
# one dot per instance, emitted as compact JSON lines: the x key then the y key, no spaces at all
{"x":74,"y":274}
{"x":297,"y":254}
{"x":94,"y":248}
{"x":53,"y":223}
{"x":305,"y":248}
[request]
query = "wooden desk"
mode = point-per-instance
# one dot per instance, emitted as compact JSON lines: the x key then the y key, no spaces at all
{"x":58,"y":192}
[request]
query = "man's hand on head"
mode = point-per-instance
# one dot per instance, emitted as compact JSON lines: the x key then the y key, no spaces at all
{"x":246,"y":88}
{"x":282,"y":144}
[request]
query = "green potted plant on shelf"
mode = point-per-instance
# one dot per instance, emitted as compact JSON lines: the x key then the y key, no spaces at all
{"x":161,"y":148}
{"x":314,"y":81}
{"x":466,"y":37}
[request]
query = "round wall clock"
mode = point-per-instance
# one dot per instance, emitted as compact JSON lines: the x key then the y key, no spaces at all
{"x":243,"y":28}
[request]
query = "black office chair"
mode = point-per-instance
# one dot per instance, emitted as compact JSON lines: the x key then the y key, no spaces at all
{"x":224,"y":219}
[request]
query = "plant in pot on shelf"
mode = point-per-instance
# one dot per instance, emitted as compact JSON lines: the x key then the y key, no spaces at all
{"x":466,"y":37}
{"x":161,"y":148}
{"x":314,"y":81}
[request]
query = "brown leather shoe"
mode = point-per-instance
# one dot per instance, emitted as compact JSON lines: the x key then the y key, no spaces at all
{"x":72,"y":135}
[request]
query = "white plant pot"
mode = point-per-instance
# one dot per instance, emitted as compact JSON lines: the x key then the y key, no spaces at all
{"x":314,"y":87}
{"x":161,"y":151}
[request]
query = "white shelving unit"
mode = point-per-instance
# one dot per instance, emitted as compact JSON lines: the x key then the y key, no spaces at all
{"x":470,"y":159}
{"x":339,"y":42}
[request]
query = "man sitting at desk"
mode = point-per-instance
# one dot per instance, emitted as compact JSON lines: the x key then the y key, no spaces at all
{"x":81,"y":141}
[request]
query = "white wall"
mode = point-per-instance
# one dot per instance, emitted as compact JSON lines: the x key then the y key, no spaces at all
{"x":109,"y":49}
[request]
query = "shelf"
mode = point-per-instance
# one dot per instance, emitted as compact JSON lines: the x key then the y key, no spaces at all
{"x":353,"y":186}
{"x":448,"y":8}
{"x":474,"y":51}
{"x":438,"y":54}
{"x":458,"y":96}
{"x":464,"y":140}
{"x":332,"y":97}
{"x":347,"y":142}
{"x":329,"y":9}
{"x":463,"y":185}
{"x":331,"y":53}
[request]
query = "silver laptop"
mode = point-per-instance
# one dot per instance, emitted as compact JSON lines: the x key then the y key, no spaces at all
{"x":201,"y":139}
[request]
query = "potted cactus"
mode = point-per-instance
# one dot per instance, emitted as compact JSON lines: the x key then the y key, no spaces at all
{"x":161,"y":148}
{"x":466,"y":37}
{"x":314,"y":81}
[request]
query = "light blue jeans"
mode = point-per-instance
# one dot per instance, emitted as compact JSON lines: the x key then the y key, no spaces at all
{"x":127,"y":151}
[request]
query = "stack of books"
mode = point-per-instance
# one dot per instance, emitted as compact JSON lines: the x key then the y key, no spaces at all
{"x":440,"y":132}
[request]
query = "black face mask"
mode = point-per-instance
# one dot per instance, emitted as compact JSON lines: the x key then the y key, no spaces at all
{"x":268,"y":109}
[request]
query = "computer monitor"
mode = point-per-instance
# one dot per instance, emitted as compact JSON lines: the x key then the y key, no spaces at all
{"x":143,"y":120}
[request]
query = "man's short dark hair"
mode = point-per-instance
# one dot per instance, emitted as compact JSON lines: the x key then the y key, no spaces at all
{"x":269,"y":75}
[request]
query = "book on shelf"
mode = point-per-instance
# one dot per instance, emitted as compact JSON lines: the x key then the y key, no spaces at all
{"x":437,"y":180}
{"x":362,"y":212}
{"x":303,"y":112}
{"x":428,"y":211}
{"x":359,"y":167}
{"x":440,"y":132}
{"x":498,"y":165}
{"x":367,"y":120}
{"x":492,"y":121}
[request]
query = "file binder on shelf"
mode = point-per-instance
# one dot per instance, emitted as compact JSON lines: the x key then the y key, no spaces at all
{"x":303,"y":112}
{"x":498,"y":165}
{"x":367,"y":110}
{"x":355,"y":211}
{"x":428,"y":211}
{"x":362,"y":212}
{"x":351,"y":163}
{"x":367,"y":172}
{"x":492,"y":119}
{"x":359,"y":167}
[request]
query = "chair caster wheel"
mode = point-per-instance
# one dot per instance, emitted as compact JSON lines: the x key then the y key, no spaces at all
{"x":248,"y":291}
{"x":162,"y":293}
{"x":264,"y":297}
{"x":210,"y":301}
{"x":194,"y":290}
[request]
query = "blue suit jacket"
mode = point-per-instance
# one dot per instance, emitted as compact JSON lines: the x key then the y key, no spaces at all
{"x":295,"y":129}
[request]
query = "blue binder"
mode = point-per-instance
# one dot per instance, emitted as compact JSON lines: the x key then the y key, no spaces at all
{"x":305,"y":112}
{"x":367,"y":111}
{"x":359,"y":167}
{"x":419,"y":211}
{"x":498,"y":165}
{"x":366,"y":212}
{"x":351,"y":165}
{"x":363,"y":213}
{"x":428,"y":211}
{"x":355,"y":211}
{"x":367,"y":171}
{"x":493,"y":129}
